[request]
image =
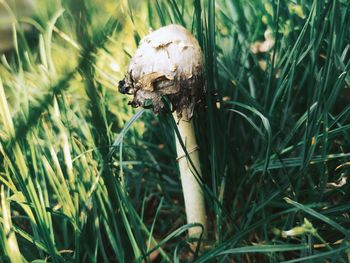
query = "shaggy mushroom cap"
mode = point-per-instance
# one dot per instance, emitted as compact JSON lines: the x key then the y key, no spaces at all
{"x":168,"y":62}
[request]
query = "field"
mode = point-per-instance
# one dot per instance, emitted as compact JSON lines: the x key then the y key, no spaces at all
{"x":84,"y":177}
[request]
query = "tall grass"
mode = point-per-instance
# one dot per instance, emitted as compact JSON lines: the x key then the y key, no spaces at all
{"x":84,"y":178}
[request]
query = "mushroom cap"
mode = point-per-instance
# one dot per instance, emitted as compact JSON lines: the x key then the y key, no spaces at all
{"x":168,"y":62}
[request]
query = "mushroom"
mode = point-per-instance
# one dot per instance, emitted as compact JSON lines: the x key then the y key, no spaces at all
{"x":169,"y":62}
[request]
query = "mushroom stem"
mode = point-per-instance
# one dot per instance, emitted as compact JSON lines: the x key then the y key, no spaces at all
{"x":192,"y":190}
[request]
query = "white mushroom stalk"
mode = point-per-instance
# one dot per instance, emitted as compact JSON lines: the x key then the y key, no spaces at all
{"x":169,"y":62}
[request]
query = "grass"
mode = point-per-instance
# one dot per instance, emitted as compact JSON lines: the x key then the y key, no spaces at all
{"x":84,"y":178}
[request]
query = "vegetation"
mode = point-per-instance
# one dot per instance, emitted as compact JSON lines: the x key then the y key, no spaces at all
{"x":85,"y":178}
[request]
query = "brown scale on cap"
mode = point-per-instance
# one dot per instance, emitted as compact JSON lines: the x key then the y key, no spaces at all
{"x":168,"y":62}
